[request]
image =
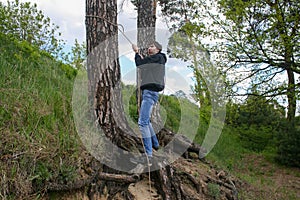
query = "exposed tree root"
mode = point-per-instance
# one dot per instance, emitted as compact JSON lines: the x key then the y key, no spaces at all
{"x":185,"y":179}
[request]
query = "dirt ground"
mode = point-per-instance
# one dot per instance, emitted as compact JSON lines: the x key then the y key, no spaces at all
{"x":142,"y":191}
{"x":268,"y":181}
{"x":258,"y":180}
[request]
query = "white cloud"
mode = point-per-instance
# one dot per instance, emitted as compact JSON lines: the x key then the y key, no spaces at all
{"x":68,"y":15}
{"x":176,"y":69}
{"x":190,"y":75}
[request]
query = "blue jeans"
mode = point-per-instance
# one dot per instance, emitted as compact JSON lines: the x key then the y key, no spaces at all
{"x":149,"y":98}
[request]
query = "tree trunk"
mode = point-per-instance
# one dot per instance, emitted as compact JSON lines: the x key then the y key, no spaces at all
{"x":104,"y":72}
{"x":291,"y":95}
{"x":105,"y":85}
{"x":146,"y":24}
{"x":146,"y":34}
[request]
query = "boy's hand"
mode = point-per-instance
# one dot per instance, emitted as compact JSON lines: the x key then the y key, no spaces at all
{"x":135,"y":48}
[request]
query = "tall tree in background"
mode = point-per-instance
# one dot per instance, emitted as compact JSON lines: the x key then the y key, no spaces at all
{"x":186,"y":43}
{"x":146,"y":21}
{"x":263,"y":39}
{"x":146,"y":24}
{"x":77,"y":56}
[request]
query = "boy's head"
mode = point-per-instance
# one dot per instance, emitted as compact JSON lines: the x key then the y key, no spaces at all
{"x":154,"y":48}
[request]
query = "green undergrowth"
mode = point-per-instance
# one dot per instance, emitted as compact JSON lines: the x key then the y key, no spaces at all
{"x":38,"y":141}
{"x":257,"y":169}
{"x":228,"y":150}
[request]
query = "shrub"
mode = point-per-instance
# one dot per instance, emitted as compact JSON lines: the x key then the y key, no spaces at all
{"x":288,"y":145}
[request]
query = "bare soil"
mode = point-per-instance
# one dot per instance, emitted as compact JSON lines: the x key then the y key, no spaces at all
{"x":265,"y":180}
{"x":257,"y":179}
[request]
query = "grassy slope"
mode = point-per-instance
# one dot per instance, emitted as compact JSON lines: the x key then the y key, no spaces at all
{"x":37,"y":132}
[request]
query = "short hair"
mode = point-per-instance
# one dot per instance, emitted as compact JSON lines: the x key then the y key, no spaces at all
{"x":157,"y":45}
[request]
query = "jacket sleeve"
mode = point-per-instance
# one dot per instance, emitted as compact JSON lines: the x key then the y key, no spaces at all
{"x":150,"y":59}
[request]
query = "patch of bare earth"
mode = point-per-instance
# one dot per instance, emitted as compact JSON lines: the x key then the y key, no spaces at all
{"x":200,"y":180}
{"x":214,"y":183}
{"x":267,"y":180}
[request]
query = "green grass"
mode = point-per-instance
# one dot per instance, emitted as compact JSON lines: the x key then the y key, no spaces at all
{"x":38,"y":141}
{"x":228,"y":150}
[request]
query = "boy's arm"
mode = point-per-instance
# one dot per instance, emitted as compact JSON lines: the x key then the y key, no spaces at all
{"x":139,"y":60}
{"x":138,"y":57}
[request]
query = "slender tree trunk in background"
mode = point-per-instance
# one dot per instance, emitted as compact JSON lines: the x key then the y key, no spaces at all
{"x":146,"y":24}
{"x":291,"y":95}
{"x":146,"y":34}
{"x":291,"y":88}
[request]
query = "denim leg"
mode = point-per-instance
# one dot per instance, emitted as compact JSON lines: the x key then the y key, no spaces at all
{"x":146,"y":139}
{"x":153,"y":137}
{"x":148,"y":100}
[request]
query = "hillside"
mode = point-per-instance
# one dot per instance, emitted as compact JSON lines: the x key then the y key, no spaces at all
{"x":42,"y":157}
{"x":38,"y":141}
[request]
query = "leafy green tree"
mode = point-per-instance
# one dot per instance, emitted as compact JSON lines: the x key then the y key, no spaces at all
{"x":254,"y":39}
{"x":232,"y":113}
{"x":173,"y":111}
{"x":262,"y":45}
{"x":187,"y":44}
{"x":262,"y":40}
{"x":257,"y":109}
{"x":288,"y":145}
{"x":259,"y":122}
{"x":255,"y":43}
{"x":178,"y":12}
{"x":77,"y":56}
{"x":25,"y":22}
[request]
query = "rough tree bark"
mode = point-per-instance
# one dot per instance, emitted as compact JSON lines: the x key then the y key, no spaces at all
{"x":105,"y":83}
{"x":146,"y":23}
{"x":104,"y":73}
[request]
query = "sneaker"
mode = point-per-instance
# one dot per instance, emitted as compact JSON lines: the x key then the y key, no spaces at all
{"x":156,"y":148}
{"x":149,"y":162}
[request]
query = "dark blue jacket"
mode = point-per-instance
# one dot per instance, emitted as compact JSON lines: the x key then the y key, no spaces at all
{"x":152,"y":69}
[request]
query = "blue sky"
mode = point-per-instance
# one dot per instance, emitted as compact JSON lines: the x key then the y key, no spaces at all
{"x":69,"y":15}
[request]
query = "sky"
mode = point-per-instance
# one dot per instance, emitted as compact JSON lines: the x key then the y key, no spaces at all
{"x":69,"y":15}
